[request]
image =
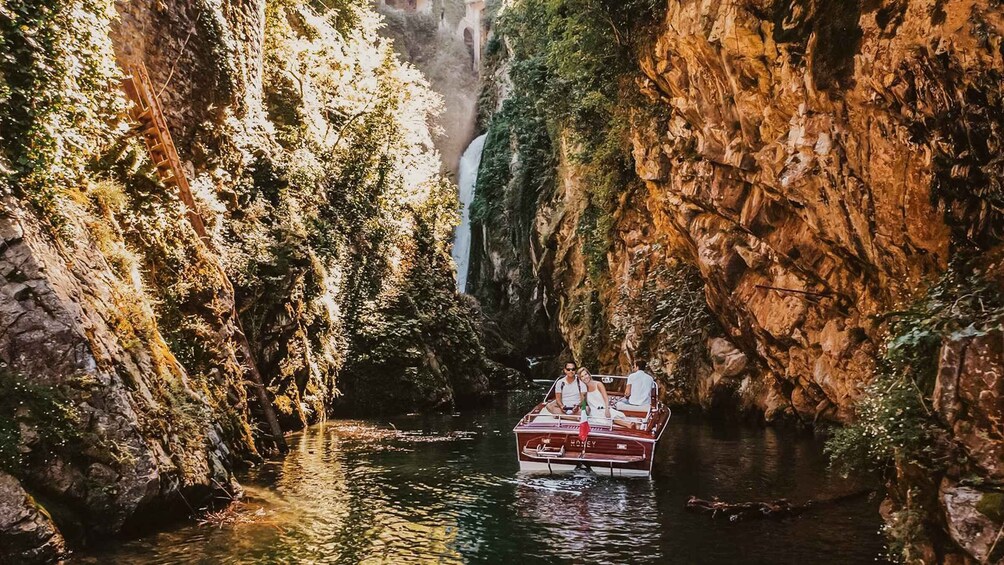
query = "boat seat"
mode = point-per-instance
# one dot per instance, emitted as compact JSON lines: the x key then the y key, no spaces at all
{"x":632,"y":415}
{"x":544,"y":418}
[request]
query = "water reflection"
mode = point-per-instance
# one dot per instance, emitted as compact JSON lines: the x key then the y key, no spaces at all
{"x":446,"y":489}
{"x":592,"y":518}
{"x":344,"y":508}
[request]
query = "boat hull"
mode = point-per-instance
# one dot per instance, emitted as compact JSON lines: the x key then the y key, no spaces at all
{"x":620,"y":444}
{"x":535,"y":467}
{"x":561,"y":451}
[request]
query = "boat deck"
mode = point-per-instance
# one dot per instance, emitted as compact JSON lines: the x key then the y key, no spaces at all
{"x":648,"y":424}
{"x":547,"y":442}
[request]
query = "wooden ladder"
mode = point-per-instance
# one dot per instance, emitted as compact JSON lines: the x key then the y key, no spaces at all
{"x":152,"y":127}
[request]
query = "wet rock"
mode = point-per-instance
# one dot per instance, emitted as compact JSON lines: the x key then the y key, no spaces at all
{"x":971,"y":529}
{"x":726,"y":358}
{"x":27,"y":533}
{"x":969,"y":398}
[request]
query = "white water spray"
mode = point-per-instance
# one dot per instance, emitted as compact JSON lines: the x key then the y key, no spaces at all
{"x":468,"y":176}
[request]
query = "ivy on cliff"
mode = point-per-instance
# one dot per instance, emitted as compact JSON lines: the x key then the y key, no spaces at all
{"x":895,"y":420}
{"x":572,"y":64}
{"x":44,"y":410}
{"x":896,"y":423}
{"x":58,"y":92}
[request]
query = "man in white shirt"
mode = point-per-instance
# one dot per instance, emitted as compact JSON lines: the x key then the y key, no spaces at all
{"x":568,"y":392}
{"x":638,"y":393}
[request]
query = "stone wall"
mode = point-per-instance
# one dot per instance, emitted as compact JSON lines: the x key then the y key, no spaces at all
{"x":145,"y":437}
{"x":819,"y":164}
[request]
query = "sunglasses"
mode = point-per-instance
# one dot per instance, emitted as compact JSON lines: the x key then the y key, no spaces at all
{"x":569,"y":370}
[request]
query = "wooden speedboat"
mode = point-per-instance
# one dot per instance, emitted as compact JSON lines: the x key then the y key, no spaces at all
{"x":551,"y":443}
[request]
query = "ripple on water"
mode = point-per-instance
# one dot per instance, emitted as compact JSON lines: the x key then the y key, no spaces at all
{"x":448,"y":490}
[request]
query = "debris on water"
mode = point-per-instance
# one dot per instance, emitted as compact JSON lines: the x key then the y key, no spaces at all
{"x":233,"y":514}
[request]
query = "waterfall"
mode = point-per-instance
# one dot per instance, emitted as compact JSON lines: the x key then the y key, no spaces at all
{"x":468,"y":175}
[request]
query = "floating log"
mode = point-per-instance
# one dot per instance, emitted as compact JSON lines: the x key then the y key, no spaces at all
{"x":777,"y":509}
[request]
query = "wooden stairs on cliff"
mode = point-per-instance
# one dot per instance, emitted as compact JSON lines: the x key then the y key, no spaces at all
{"x":151,"y":125}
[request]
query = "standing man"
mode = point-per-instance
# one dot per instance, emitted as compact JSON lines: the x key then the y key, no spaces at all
{"x":568,"y":392}
{"x":638,"y":393}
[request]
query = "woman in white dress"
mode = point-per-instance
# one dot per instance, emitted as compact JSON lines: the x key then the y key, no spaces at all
{"x":600,"y":412}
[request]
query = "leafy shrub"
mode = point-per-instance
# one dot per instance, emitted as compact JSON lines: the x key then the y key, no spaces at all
{"x":418,"y":336}
{"x":43,"y":410}
{"x":894,"y":416}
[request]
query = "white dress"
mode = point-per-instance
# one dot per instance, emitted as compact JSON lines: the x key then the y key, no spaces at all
{"x":597,"y":412}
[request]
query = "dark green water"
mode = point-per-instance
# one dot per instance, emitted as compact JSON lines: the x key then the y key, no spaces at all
{"x":446,"y":489}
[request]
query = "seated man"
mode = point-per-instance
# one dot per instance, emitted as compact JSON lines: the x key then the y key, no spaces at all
{"x":568,"y":393}
{"x":638,"y":392}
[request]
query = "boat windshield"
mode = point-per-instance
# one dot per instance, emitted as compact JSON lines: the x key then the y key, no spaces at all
{"x":615,"y":385}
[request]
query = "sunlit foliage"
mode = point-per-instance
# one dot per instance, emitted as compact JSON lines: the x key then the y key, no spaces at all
{"x":572,"y":64}
{"x":58,"y":90}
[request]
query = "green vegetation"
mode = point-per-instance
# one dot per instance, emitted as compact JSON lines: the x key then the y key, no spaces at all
{"x":680,"y":313}
{"x":991,"y":505}
{"x":572,"y":68}
{"x":417,"y":344}
{"x":894,"y":417}
{"x":312,"y":217}
{"x":895,"y":422}
{"x":51,"y":418}
{"x":57,"y":92}
{"x":905,"y":531}
{"x":344,"y":212}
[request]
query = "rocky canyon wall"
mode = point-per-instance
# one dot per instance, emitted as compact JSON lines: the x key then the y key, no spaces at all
{"x":803,"y":170}
{"x":128,"y":342}
{"x":799,"y":173}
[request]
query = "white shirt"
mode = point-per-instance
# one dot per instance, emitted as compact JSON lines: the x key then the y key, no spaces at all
{"x":641,"y":388}
{"x":570,"y":391}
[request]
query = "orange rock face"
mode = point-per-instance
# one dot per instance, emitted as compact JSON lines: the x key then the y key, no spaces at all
{"x":818,"y":162}
{"x":798,"y":169}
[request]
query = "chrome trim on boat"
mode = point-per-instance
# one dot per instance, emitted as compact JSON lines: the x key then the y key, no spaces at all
{"x":583,"y":459}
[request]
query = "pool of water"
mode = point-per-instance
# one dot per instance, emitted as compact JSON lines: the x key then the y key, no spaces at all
{"x":447,"y":489}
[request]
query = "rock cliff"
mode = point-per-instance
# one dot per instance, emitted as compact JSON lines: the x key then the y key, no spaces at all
{"x":812,"y":167}
{"x":804,"y":170}
{"x":130,"y":340}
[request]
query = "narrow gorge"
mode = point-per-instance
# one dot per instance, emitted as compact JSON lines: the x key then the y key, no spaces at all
{"x":150,"y":348}
{"x":793,"y":209}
